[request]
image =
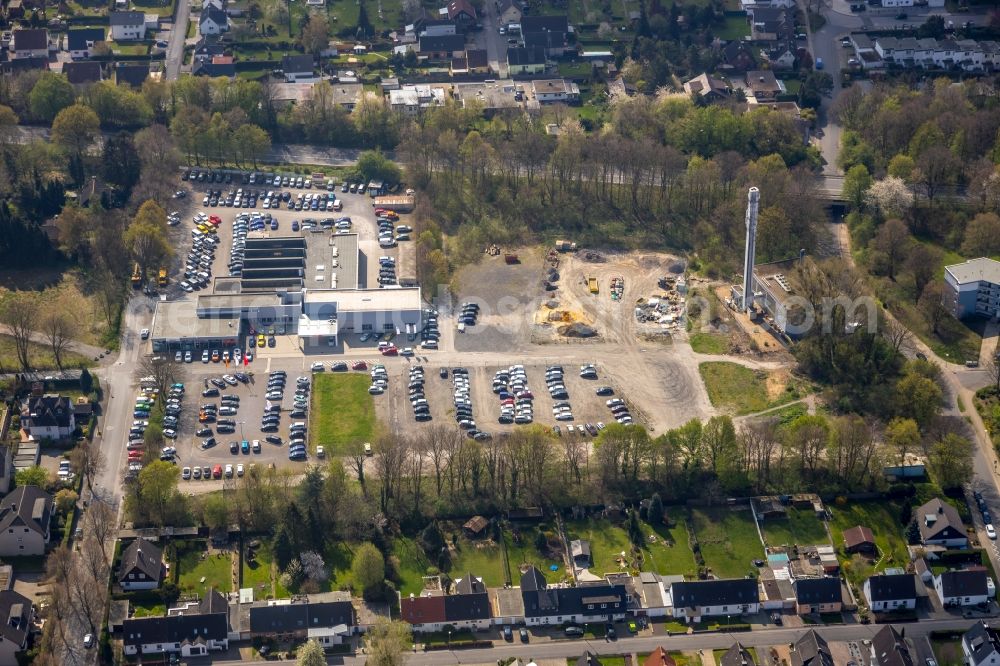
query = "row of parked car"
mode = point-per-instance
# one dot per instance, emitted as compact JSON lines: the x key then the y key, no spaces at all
{"x":468,"y":316}
{"x":463,"y":399}
{"x":386,"y":271}
{"x":516,"y":400}
{"x":380,"y":380}
{"x":198,"y":265}
{"x":620,"y":411}
{"x":418,"y":400}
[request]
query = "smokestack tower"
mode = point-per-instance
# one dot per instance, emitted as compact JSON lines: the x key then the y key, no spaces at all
{"x":753,"y":201}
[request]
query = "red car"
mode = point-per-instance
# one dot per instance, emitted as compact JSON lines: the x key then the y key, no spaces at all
{"x":217,"y":472}
{"x":390,"y":351}
{"x":359,"y":365}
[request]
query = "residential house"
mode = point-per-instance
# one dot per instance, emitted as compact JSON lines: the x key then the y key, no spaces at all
{"x":15,"y":10}
{"x":212,"y":21}
{"x":579,"y":550}
{"x":509,"y":11}
{"x":490,"y":96}
{"x":659,"y":657}
{"x":966,"y":587}
{"x":208,"y":49}
{"x":737,"y":56}
{"x":220,"y":65}
{"x":297,"y":68}
{"x":468,"y":608}
{"x":550,"y":33}
{"x":981,"y":645}
{"x":18,"y":614}
{"x":24,"y":521}
{"x":80,"y":41}
{"x":619,"y":90}
{"x":477,"y":61}
{"x":410,"y":99}
{"x":768,"y":24}
{"x":437,"y":28}
{"x":521,"y":61}
{"x":889,"y":648}
{"x":218,"y":4}
{"x":462,"y":13}
{"x":127,"y":26}
{"x":751,"y":5}
{"x":600,"y":602}
{"x":890,"y":592}
{"x":442,"y":47}
{"x":707,"y":88}
{"x":737,"y":655}
{"x":18,"y":65}
{"x":694,"y":600}
{"x":818,"y":595}
{"x":31,"y":43}
{"x":132,"y":75}
{"x":48,"y":417}
{"x":940,"y":525}
{"x":811,"y":650}
{"x":859,"y":539}
{"x":329,"y":622}
{"x":141,"y":566}
{"x":781,"y":56}
{"x":194,"y":632}
{"x":555,"y":90}
{"x":348,"y":95}
{"x":763,"y":86}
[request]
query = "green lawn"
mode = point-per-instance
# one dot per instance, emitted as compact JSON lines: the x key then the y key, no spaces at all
{"x":148,"y":609}
{"x":671,"y":553}
{"x":413,"y":565}
{"x":342,"y":411}
{"x":948,"y":652}
{"x":130,"y":48}
{"x":194,"y":564}
{"x":709,"y":343}
{"x":607,"y":542}
{"x":157,"y":7}
{"x":740,"y":389}
{"x":728,"y":539}
{"x":521,"y":551}
{"x":482,"y":558}
{"x":800,"y":527}
{"x":883,"y":519}
{"x":40,"y":356}
{"x":262,"y":575}
{"x":605,"y":661}
{"x":575,"y":70}
{"x":735,"y":27}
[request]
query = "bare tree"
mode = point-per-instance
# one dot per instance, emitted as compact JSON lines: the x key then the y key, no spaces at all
{"x":993,"y":370}
{"x":101,"y":522}
{"x":162,"y":370}
{"x":20,"y":315}
{"x":88,"y":461}
{"x":58,"y":327}
{"x":895,"y":333}
{"x":390,"y":455}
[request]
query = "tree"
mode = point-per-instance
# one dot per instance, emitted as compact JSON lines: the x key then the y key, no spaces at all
{"x":215,"y":512}
{"x":387,"y":641}
{"x":982,"y":236}
{"x":902,"y":166}
{"x":310,"y":654}
{"x":904,"y":436}
{"x":58,"y":327}
{"x":937,"y":167}
{"x":120,"y":162}
{"x":157,"y":497}
{"x":892,"y":243}
{"x":890,"y":197}
{"x":655,"y":512}
{"x":252,"y":141}
{"x":88,"y":461}
{"x":65,"y":500}
{"x":147,"y":238}
{"x":931,"y":305}
{"x":313,"y":566}
{"x":922,"y":264}
{"x":316,"y":34}
{"x":86,"y":381}
{"x":857,"y":180}
{"x":74,"y":128}
{"x":51,"y":94}
{"x":19,"y":313}
{"x":950,"y":461}
{"x":163,"y":370}
{"x":918,"y":398}
{"x":368,"y":566}
{"x":364,"y":24}
{"x":32,"y":476}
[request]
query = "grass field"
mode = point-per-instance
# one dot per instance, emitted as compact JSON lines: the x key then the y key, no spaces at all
{"x":740,"y":389}
{"x":671,"y":553}
{"x":735,"y":27}
{"x":521,"y":551}
{"x":154,"y":7}
{"x":607,"y":542}
{"x":801,"y":527}
{"x":483,"y":558}
{"x":605,"y":661}
{"x":141,"y":609}
{"x":196,"y":564}
{"x":262,"y":575}
{"x":882,"y":519}
{"x":709,"y":343}
{"x":728,"y":539}
{"x":40,"y":356}
{"x":948,"y":652}
{"x":343,"y":412}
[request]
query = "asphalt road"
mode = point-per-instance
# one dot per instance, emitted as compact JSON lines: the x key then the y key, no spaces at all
{"x":175,"y":48}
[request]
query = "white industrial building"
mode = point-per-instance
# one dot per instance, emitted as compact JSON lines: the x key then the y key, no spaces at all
{"x":307,"y":286}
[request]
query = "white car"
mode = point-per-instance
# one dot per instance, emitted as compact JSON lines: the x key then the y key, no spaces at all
{"x":991,"y":531}
{"x":320,"y":452}
{"x":178,"y":357}
{"x":187,"y":357}
{"x":239,"y":469}
{"x":144,"y":334}
{"x":186,"y":473}
{"x":317,"y":367}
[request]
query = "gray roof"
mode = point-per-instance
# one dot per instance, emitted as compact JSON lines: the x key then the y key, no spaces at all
{"x":818,"y":590}
{"x":127,"y":18}
{"x":31,"y":39}
{"x":218,"y":16}
{"x":26,"y":506}
{"x":811,"y":650}
{"x":892,"y":587}
{"x":293,"y":617}
{"x":142,"y":556}
{"x":737,"y":655}
{"x":967,"y":583}
{"x":470,"y":584}
{"x":49,"y":411}
{"x":726,"y":592}
{"x":939,"y":520}
{"x":982,"y":643}
{"x":15,"y":610}
{"x":890,"y":649}
{"x":975,"y":270}
{"x":297,"y":64}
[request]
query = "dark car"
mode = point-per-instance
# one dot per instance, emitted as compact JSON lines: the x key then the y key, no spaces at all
{"x":573,"y":632}
{"x":339,"y":367}
{"x":203,"y":432}
{"x":234,"y":447}
{"x":273,"y":439}
{"x":210,"y":392}
{"x":508,"y":634}
{"x":523,"y":633}
{"x":218,"y":382}
{"x":610,"y":634}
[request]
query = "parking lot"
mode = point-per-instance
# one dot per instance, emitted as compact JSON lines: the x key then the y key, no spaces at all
{"x":439,"y":391}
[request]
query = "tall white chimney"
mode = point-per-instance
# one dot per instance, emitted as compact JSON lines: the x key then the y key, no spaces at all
{"x":753,"y":200}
